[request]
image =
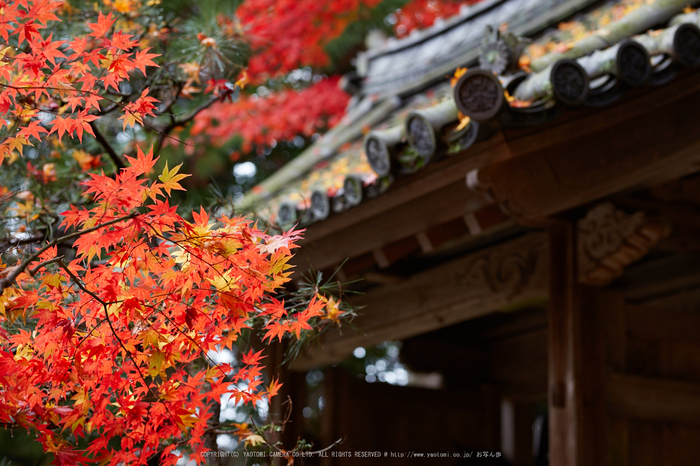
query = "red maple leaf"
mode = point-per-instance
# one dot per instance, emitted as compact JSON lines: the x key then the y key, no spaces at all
{"x":103,"y":24}
{"x":143,"y":59}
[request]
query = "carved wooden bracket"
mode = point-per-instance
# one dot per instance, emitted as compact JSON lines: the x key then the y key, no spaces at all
{"x":610,"y":239}
{"x":499,"y":272}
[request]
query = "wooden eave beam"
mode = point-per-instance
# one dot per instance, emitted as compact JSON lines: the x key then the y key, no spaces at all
{"x":586,"y":155}
{"x":646,"y":140}
{"x":576,"y":123}
{"x":411,"y":206}
{"x":500,"y":277}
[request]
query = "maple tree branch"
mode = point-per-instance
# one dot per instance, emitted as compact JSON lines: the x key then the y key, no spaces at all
{"x":177,"y":123}
{"x":10,"y":278}
{"x":192,"y":114}
{"x":34,"y":270}
{"x":53,"y":88}
{"x":332,"y":445}
{"x":13,"y":243}
{"x":105,"y":305}
{"x":80,"y":285}
{"x":177,"y":327}
{"x":116,"y":104}
{"x":107,"y":146}
{"x":166,"y":106}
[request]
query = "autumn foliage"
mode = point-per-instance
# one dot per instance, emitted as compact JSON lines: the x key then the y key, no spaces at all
{"x":51,"y":71}
{"x":263,"y":121}
{"x":105,"y":348}
{"x":420,"y":14}
{"x":118,"y":329}
{"x":308,"y":25}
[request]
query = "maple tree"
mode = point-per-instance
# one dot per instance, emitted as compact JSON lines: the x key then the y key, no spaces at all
{"x":112,"y":304}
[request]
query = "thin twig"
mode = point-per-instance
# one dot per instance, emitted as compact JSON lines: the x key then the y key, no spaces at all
{"x":177,"y":123}
{"x":11,"y":277}
{"x":107,"y":146}
{"x":105,"y":306}
{"x":15,"y":242}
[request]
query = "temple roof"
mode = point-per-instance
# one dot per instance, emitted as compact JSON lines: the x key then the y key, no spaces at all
{"x":408,"y":111}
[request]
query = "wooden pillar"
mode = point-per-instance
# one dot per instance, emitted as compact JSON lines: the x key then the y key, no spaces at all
{"x":331,"y":417}
{"x":617,"y":426}
{"x":293,"y":392}
{"x":576,"y":359}
{"x":564,"y":411}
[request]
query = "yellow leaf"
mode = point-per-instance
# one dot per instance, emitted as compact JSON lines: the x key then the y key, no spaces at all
{"x":52,"y":281}
{"x":170,"y":178}
{"x":131,"y":119}
{"x":243,"y":80}
{"x":463,"y":122}
{"x":18,"y":144}
{"x":186,"y":420}
{"x":333,"y":310}
{"x":191,"y":69}
{"x":156,"y":363}
{"x":459,"y":72}
{"x":2,"y":56}
{"x":254,"y":440}
{"x":123,"y":6}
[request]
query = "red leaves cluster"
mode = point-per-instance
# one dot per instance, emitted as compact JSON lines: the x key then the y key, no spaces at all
{"x":117,"y":328}
{"x":57,"y":74}
{"x":307,"y":27}
{"x":420,"y":14}
{"x":279,"y":117}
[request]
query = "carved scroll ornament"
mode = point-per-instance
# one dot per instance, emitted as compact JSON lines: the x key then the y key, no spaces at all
{"x":610,"y":239}
{"x":505,"y":272}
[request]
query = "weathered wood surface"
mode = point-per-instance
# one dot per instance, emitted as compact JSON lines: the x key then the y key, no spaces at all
{"x":654,"y":399}
{"x":610,"y":240}
{"x":614,"y":327}
{"x":519,"y":365}
{"x":680,"y":272}
{"x":577,"y":353}
{"x":496,"y":278}
{"x":663,"y":323}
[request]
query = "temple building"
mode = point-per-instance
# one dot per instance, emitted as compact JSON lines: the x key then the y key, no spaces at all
{"x":518,"y":188}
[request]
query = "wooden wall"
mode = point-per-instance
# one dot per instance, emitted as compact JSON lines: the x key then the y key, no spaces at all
{"x":654,"y":389}
{"x":617,"y":369}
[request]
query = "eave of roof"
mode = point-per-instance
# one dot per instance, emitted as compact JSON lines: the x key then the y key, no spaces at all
{"x":340,"y":148}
